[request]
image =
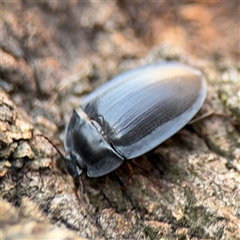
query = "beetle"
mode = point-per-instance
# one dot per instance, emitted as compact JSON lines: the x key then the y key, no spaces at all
{"x":130,"y":115}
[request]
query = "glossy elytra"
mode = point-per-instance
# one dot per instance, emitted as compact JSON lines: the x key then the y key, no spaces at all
{"x":130,"y":115}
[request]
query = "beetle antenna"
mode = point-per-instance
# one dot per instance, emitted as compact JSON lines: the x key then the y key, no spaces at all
{"x":53,"y":145}
{"x":77,"y":181}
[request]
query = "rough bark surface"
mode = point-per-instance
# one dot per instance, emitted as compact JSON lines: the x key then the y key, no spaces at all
{"x":52,"y":54}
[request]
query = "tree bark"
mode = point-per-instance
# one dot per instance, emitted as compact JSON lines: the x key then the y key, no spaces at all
{"x":56,"y":52}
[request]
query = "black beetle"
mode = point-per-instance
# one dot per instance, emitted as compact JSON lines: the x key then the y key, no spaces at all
{"x":130,"y":115}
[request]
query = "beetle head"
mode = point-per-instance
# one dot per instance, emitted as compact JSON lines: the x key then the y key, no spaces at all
{"x":87,"y":149}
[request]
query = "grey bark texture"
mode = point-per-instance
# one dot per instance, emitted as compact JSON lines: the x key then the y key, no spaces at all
{"x":54,"y":53}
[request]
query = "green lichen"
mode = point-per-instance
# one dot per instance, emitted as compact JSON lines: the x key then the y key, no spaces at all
{"x":199,"y":219}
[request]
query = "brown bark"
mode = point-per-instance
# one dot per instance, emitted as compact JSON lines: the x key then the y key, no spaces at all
{"x":52,"y":54}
